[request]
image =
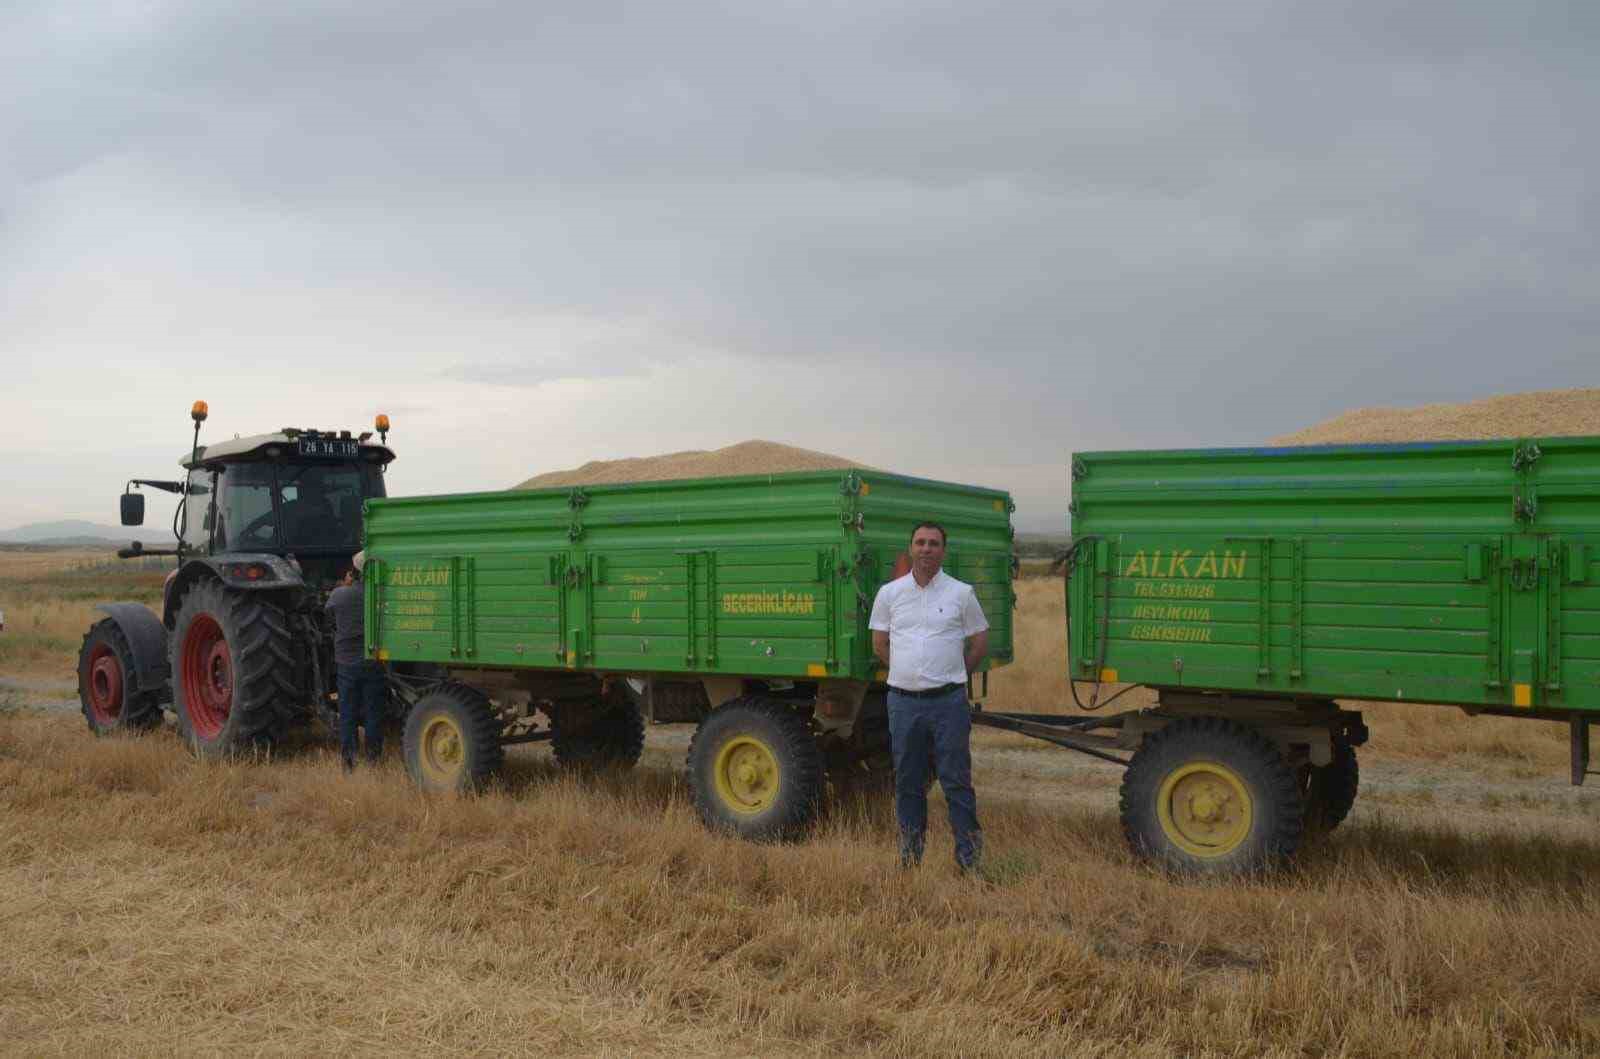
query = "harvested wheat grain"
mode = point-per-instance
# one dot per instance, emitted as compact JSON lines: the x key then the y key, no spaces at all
{"x":747,"y":457}
{"x":1541,"y":413}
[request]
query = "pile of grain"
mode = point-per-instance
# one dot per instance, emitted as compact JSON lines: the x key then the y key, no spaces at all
{"x":747,"y":457}
{"x":1538,"y":414}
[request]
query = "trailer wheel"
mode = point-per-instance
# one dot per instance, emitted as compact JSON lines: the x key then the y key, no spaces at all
{"x":1329,"y":792}
{"x":452,"y":739}
{"x":755,"y":770}
{"x":607,"y":734}
{"x":1210,"y":796}
{"x":232,"y":670}
{"x":111,"y":702}
{"x":871,"y":776}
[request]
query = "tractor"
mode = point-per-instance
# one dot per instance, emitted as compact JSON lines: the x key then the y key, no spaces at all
{"x":265,"y":526}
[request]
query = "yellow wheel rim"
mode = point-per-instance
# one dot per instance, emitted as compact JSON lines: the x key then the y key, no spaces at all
{"x":442,"y":752}
{"x":747,"y":774}
{"x":1205,"y":809}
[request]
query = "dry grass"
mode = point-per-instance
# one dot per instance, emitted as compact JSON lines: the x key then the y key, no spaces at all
{"x":48,"y":598}
{"x":155,"y":903}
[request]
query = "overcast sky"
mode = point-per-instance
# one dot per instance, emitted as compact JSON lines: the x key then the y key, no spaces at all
{"x":957,"y":240}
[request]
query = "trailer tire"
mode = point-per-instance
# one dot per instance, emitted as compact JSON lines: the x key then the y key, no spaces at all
{"x":755,"y":770}
{"x":106,"y":674}
{"x":608,"y":734}
{"x":232,"y":666}
{"x":871,"y":776}
{"x":1210,"y":796}
{"x":1330,"y":791}
{"x":452,"y":739}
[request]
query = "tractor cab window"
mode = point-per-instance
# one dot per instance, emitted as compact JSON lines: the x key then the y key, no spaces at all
{"x":196,"y":529}
{"x":321,"y":504}
{"x":244,"y":519}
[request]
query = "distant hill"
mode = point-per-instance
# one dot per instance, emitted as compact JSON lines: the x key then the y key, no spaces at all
{"x":747,"y":457}
{"x":70,"y":531}
{"x":1542,"y":413}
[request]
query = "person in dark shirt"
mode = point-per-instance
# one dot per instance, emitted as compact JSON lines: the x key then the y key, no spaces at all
{"x":361,"y":681}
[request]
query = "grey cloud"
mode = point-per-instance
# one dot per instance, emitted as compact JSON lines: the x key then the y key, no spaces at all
{"x":1134,"y":222}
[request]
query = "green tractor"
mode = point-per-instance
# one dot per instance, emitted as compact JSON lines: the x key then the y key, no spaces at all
{"x":265,"y":527}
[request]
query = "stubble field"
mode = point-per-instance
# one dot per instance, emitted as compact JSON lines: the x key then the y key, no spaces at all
{"x":157,"y":904}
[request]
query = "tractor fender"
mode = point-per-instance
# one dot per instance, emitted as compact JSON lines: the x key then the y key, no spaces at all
{"x":147,"y":639}
{"x":273,"y":574}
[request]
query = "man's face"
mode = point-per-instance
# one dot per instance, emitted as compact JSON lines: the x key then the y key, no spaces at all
{"x":927,"y":551}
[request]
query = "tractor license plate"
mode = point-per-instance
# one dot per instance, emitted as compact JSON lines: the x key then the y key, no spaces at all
{"x":336,"y":448}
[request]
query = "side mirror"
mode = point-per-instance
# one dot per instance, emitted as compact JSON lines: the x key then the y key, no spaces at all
{"x":133,"y":509}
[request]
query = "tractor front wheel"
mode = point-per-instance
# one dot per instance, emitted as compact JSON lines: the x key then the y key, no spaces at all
{"x":232,"y":670}
{"x":755,"y":770}
{"x":1210,"y":796}
{"x":452,"y":739}
{"x":108,"y":683}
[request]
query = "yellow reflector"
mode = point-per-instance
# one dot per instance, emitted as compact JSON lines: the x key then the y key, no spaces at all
{"x":816,"y":669}
{"x":1108,"y":676}
{"x":882,"y":674}
{"x":572,"y":659}
{"x":865,"y":488}
{"x":1522,"y":694}
{"x":999,"y":505}
{"x":383,"y":654}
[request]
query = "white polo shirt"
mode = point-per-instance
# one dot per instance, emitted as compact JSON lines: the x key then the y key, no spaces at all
{"x":927,"y":628}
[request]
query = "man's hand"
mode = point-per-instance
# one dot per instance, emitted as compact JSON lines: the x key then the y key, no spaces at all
{"x":977,"y":649}
{"x":880,"y":646}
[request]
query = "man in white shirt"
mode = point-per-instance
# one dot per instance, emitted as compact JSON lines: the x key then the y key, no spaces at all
{"x":929,"y":630}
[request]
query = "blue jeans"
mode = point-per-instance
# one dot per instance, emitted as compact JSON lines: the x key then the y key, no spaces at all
{"x":943,"y":725}
{"x":361,"y":699}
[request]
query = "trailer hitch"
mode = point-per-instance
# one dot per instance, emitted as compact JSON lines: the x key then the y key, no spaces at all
{"x":1072,"y":733}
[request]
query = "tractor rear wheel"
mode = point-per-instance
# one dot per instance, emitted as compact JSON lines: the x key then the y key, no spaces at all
{"x":604,"y":734}
{"x":1329,"y":791}
{"x":755,"y":770}
{"x":232,"y":670}
{"x":1209,"y":796}
{"x":107,"y":683}
{"x":452,"y":739}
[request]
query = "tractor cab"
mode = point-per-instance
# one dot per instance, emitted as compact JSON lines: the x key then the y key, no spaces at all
{"x":291,"y":493}
{"x":295,"y":495}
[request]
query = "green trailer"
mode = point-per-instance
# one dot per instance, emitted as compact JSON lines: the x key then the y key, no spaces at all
{"x":1252,"y":588}
{"x":576,"y":615}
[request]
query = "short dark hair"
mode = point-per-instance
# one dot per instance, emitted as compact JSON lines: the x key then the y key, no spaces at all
{"x":944,"y":538}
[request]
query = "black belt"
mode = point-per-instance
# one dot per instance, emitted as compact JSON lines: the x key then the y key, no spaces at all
{"x":927,"y":693}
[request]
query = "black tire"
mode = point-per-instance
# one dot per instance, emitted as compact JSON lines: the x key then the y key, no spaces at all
{"x":1209,"y":796}
{"x":871,"y":775}
{"x":755,"y":770}
{"x":605,"y":734}
{"x":232,"y":670}
{"x":108,"y":687}
{"x":868,"y":776}
{"x":452,"y":740}
{"x":1329,"y":791}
